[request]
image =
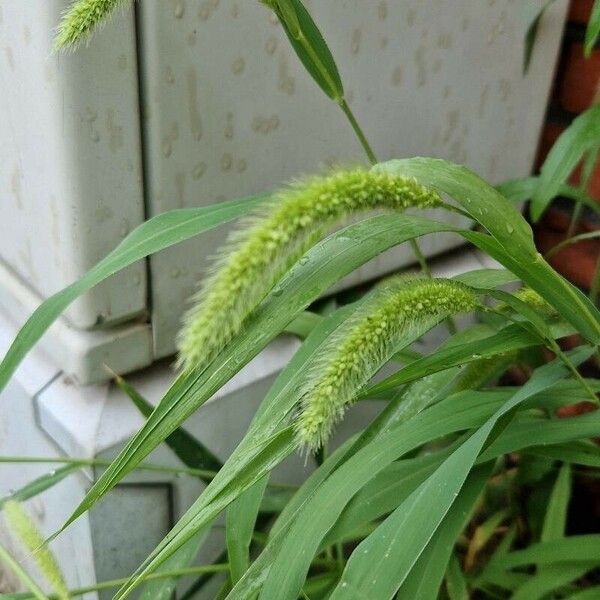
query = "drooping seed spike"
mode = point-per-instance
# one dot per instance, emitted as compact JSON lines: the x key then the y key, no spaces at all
{"x":81,"y":19}
{"x":267,"y":244}
{"x":362,"y":345}
{"x":28,"y":534}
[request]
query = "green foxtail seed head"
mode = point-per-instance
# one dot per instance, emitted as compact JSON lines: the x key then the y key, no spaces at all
{"x":270,"y":242}
{"x":534,"y":300}
{"x":32,"y":540}
{"x":81,"y":19}
{"x":362,"y":345}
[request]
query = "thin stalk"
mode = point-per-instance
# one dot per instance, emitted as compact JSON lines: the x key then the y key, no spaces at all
{"x":589,"y":235}
{"x":594,"y":298}
{"x":565,"y":359}
{"x":362,"y":138}
{"x":574,"y":219}
{"x":113,"y":583}
{"x":96,"y":462}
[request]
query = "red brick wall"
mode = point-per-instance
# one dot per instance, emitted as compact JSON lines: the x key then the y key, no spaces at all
{"x":576,"y":87}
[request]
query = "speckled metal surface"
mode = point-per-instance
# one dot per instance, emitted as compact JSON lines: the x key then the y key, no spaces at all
{"x":70,"y":158}
{"x":229,"y":111}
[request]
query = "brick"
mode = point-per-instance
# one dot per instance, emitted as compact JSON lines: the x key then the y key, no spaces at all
{"x":580,"y":84}
{"x":580,"y":10}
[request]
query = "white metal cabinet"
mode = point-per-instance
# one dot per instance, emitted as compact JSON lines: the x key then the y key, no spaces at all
{"x":70,"y":168}
{"x":229,"y":111}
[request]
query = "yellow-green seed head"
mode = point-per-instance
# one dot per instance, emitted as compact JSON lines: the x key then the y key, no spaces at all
{"x":258,"y":254}
{"x":533,"y":299}
{"x":32,"y":540}
{"x":81,"y":19}
{"x":360,"y":347}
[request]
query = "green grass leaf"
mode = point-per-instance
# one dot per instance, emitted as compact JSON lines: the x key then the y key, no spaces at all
{"x":574,"y":548}
{"x":592,"y":593}
{"x":425,"y":578}
{"x":580,"y":137}
{"x":157,"y":233}
{"x":555,"y":521}
{"x":585,"y":453}
{"x":239,"y":525}
{"x":519,"y":190}
{"x":512,"y":242}
{"x":184,"y":445}
{"x":531,"y":35}
{"x":456,"y":584}
{"x":381,"y":563}
{"x":551,"y":578}
{"x":40,"y":484}
{"x":309,"y":45}
{"x":593,"y":29}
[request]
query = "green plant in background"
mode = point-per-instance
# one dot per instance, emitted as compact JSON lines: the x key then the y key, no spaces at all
{"x":428,"y":500}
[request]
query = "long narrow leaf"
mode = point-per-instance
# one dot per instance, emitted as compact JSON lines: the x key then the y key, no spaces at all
{"x":426,"y":576}
{"x":309,"y":45}
{"x":512,"y":242}
{"x":381,"y":563}
{"x":40,"y":484}
{"x":239,"y":526}
{"x":155,"y":234}
{"x":581,"y":136}
{"x":186,"y":447}
{"x":593,"y":29}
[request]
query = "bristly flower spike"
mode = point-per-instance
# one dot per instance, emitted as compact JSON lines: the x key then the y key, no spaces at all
{"x":362,"y":345}
{"x":269,"y":243}
{"x":81,"y":19}
{"x":32,"y":540}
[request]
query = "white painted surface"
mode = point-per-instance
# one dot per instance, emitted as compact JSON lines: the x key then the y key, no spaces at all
{"x":70,"y":158}
{"x":20,"y":436}
{"x":229,"y":110}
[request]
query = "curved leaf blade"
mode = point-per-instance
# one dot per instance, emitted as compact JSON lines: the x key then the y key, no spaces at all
{"x":512,"y":239}
{"x":581,"y":136}
{"x":156,"y":234}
